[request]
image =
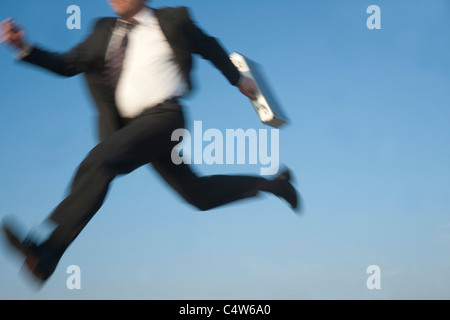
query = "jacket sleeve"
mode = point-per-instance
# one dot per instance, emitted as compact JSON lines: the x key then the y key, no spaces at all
{"x":68,"y":64}
{"x":211,"y":49}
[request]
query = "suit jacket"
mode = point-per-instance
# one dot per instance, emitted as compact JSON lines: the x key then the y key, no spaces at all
{"x":88,"y":58}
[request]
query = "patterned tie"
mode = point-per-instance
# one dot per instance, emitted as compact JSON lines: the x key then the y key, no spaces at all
{"x":114,"y":62}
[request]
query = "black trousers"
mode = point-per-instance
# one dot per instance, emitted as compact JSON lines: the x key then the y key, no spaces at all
{"x":143,"y":140}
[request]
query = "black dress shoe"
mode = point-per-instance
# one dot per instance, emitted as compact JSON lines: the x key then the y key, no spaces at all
{"x":286,"y":190}
{"x":40,"y":261}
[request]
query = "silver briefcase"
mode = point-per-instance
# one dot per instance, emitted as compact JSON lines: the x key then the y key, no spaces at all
{"x":267,"y":108}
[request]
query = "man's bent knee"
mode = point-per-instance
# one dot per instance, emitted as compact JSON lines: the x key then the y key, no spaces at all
{"x":198,"y":202}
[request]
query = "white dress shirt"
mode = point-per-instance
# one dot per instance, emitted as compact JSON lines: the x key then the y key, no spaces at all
{"x":150,"y":74}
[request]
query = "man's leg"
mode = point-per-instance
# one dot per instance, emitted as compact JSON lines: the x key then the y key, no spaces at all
{"x":208,"y":192}
{"x":138,"y":143}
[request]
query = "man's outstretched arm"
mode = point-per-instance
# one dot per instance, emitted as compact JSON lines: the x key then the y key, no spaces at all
{"x":67,"y":64}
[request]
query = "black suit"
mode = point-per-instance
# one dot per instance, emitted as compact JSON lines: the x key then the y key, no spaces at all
{"x":127,"y":144}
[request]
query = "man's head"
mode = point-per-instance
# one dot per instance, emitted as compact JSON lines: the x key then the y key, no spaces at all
{"x":127,"y":8}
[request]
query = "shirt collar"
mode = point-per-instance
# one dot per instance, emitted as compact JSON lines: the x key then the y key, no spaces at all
{"x":144,"y":16}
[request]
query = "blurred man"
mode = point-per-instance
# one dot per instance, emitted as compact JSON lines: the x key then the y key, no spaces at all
{"x":137,"y":68}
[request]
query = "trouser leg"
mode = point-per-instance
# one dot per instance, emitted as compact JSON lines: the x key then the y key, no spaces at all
{"x":138,"y":143}
{"x":206,"y":192}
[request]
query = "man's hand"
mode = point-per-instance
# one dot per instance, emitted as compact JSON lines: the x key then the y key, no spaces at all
{"x":12,"y":34}
{"x":247,"y":86}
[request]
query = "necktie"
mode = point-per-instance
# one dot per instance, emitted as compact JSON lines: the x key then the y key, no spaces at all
{"x":114,"y":62}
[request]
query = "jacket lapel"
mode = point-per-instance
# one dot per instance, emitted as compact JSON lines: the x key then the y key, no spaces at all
{"x":168,"y":24}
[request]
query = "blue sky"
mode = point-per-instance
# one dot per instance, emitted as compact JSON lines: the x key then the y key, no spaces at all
{"x":368,"y":144}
